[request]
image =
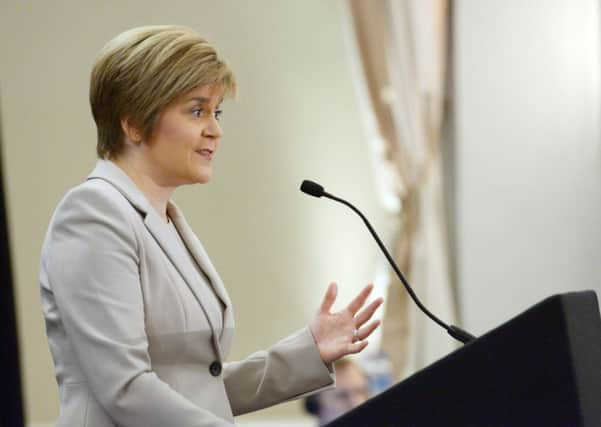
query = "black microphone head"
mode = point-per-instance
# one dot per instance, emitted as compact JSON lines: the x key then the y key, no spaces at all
{"x":311,"y":188}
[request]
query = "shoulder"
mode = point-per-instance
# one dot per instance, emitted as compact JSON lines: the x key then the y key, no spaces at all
{"x":94,"y":211}
{"x":98,"y":194}
{"x":94,"y":199}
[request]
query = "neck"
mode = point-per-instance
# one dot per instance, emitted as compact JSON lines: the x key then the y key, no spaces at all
{"x":158,"y":195}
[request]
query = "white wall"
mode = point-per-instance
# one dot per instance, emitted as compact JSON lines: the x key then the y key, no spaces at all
{"x":296,"y":118}
{"x":528,"y":153}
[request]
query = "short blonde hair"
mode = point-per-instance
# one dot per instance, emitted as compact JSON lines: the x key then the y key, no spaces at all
{"x":139,"y":72}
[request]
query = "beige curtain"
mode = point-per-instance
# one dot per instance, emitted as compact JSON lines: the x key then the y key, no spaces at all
{"x":401,"y":46}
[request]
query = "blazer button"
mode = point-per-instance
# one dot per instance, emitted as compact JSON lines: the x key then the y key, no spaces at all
{"x":215,"y":369}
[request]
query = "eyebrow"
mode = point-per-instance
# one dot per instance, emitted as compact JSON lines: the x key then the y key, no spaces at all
{"x":203,"y":100}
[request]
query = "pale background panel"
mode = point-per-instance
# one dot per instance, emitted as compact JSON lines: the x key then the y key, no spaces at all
{"x":296,"y":118}
{"x":528,"y":153}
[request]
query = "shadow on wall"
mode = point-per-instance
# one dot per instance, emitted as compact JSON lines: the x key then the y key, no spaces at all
{"x":11,"y":408}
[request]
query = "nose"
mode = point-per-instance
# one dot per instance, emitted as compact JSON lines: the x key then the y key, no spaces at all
{"x":213,"y":129}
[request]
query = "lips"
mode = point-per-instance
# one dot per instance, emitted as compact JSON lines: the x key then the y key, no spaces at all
{"x":206,"y":153}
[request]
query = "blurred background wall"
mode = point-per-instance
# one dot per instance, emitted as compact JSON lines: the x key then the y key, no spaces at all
{"x":527,"y":153}
{"x":525,"y":162}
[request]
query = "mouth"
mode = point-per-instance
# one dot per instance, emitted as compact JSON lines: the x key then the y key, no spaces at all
{"x":207,"y":153}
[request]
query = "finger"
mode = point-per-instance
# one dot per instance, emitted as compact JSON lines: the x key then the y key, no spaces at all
{"x":357,"y":347}
{"x":360,"y":299}
{"x":366,"y":313}
{"x":329,"y":298}
{"x":366,"y":331}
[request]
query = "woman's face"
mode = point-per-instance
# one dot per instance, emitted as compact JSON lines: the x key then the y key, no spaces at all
{"x":186,"y":138}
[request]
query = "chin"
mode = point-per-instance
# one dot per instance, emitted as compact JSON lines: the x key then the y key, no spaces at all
{"x":202,"y":178}
{"x":197,"y":175}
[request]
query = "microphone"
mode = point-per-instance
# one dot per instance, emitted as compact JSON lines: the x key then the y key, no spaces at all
{"x":314,"y":189}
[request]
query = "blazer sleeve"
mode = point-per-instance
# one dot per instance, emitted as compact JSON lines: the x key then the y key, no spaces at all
{"x":290,"y":369}
{"x":91,"y":261}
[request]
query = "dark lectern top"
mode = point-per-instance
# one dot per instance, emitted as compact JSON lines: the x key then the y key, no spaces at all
{"x":540,"y":369}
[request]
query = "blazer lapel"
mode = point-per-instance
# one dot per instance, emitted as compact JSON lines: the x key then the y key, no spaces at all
{"x":111,"y":173}
{"x":180,"y":261}
{"x":200,"y":255}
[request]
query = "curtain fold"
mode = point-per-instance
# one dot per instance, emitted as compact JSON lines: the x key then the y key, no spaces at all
{"x":402,"y":46}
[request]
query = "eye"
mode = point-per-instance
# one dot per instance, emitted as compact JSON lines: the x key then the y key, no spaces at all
{"x":198,"y":112}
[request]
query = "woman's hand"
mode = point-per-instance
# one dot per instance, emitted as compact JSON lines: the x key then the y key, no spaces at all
{"x":335,"y":333}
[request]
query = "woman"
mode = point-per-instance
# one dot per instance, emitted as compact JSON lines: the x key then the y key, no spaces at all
{"x":138,"y":320}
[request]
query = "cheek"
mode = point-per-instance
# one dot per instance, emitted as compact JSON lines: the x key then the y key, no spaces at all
{"x":176,"y":142}
{"x":173,"y":135}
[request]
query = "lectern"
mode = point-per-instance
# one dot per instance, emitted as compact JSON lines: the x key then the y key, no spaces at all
{"x":540,"y":369}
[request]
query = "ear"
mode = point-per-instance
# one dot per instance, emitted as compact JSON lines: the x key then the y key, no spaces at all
{"x":131,"y":132}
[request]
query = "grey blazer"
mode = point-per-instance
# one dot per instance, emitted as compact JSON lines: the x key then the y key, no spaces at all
{"x":132,"y":343}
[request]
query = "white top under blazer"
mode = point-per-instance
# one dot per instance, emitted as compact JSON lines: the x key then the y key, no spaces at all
{"x":134,"y":339}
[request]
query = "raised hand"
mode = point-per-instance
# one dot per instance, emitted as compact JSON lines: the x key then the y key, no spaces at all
{"x":344,"y":332}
